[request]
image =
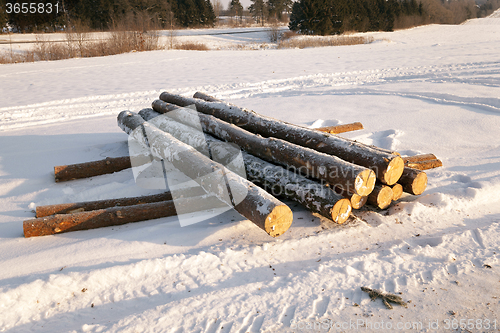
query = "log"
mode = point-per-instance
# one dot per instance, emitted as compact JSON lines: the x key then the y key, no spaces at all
{"x":381,"y":197}
{"x":252,"y":202}
{"x":357,"y":201}
{"x":206,"y":97}
{"x":388,"y":167}
{"x":425,"y":165}
{"x":112,"y":216}
{"x":419,"y":158}
{"x":413,"y":181}
{"x":331,"y":169}
{"x":76,"y":207}
{"x":422,"y":162}
{"x":273,"y":178}
{"x":341,"y":128}
{"x":397,"y":192}
{"x":315,"y":197}
{"x":90,"y":169}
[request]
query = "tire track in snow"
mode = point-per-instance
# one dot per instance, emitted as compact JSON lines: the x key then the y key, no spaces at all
{"x":482,"y":73}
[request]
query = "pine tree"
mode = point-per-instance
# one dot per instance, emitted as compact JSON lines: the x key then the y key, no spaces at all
{"x":236,"y":9}
{"x":3,"y":15}
{"x":315,"y":17}
{"x":278,"y":7}
{"x":187,"y":13}
{"x":259,"y":10}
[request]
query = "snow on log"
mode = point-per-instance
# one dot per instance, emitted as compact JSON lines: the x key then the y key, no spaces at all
{"x":273,"y":178}
{"x":413,"y":181}
{"x":341,"y":128}
{"x":76,"y":207}
{"x":91,"y":169}
{"x":206,"y":97}
{"x":249,"y":200}
{"x":333,"y":170}
{"x":112,"y":216}
{"x":381,"y":197}
{"x":388,"y":167}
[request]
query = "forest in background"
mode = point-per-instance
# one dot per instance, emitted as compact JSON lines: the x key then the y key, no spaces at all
{"x":322,"y":17}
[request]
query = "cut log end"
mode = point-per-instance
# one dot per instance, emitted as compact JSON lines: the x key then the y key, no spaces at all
{"x":358,"y":201}
{"x":341,"y":211}
{"x":381,"y":197}
{"x":365,"y":182}
{"x":419,"y":184}
{"x":394,"y":171}
{"x":278,"y":221}
{"x":397,"y":192}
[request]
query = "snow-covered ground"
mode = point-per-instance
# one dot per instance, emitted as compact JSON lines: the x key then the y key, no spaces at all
{"x":428,"y":89}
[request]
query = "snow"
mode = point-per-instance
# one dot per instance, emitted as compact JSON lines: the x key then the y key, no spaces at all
{"x":431,"y":89}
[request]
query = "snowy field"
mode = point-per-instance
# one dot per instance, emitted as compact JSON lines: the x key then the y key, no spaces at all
{"x":432,"y":89}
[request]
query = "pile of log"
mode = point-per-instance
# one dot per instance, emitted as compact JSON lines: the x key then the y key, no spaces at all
{"x":328,"y":174}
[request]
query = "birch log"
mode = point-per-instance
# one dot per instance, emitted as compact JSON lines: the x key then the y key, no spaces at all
{"x":331,"y":169}
{"x":275,"y":179}
{"x":388,"y":167}
{"x":252,"y":202}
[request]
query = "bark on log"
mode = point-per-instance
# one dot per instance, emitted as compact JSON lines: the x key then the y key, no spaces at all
{"x":381,"y":197}
{"x":397,"y":192}
{"x":252,"y":202}
{"x":331,"y":169}
{"x":274,"y":179}
{"x":112,"y":216}
{"x":341,"y":128}
{"x":206,"y":97}
{"x":76,"y":207}
{"x":413,"y":181}
{"x":90,"y":169}
{"x":388,"y":167}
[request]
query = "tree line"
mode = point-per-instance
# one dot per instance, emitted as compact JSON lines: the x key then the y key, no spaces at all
{"x":323,"y":17}
{"x":110,"y":14}
{"x":327,"y":17}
